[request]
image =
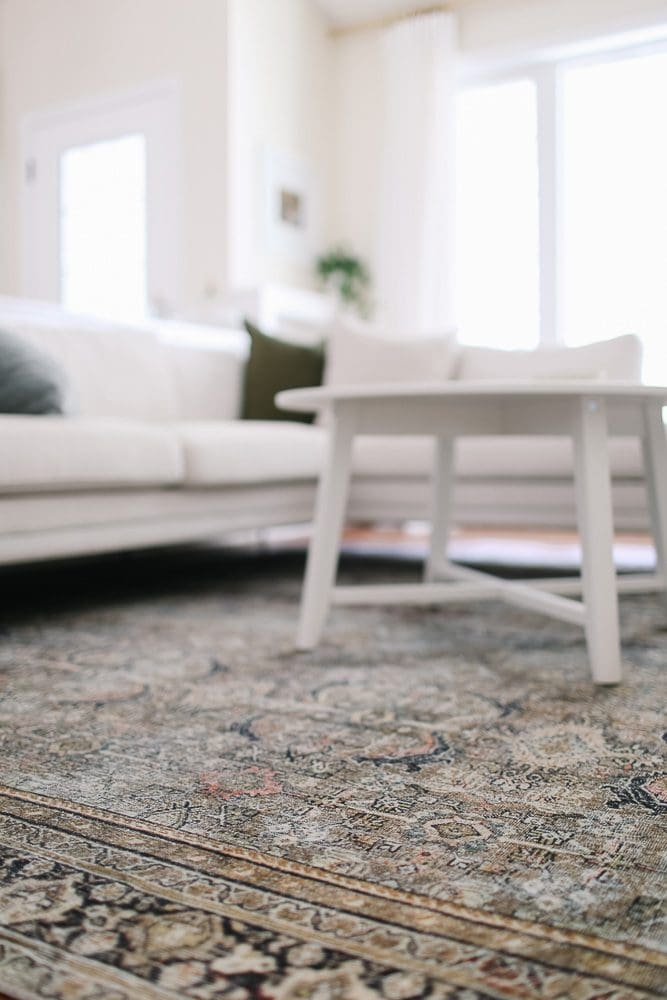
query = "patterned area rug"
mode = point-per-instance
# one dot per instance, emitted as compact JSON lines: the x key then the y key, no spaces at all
{"x":436,"y":803}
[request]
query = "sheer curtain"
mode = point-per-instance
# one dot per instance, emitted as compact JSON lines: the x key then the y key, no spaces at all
{"x":415,"y":261}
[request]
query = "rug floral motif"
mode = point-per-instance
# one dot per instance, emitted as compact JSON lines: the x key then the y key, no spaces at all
{"x":434,"y":803}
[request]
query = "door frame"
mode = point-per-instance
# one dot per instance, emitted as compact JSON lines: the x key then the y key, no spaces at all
{"x":153,"y":110}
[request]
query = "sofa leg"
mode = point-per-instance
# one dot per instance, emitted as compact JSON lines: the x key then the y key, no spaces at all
{"x":442,"y":495}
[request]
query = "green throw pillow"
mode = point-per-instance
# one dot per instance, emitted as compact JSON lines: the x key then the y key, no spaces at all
{"x":276,"y":364}
{"x":31,"y":382}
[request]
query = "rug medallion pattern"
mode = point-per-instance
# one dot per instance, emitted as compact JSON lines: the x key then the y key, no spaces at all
{"x":435,"y":803}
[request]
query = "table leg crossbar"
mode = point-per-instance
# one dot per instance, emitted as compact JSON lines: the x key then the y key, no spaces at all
{"x":549,"y":595}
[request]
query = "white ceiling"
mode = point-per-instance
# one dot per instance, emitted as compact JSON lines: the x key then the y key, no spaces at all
{"x":354,"y":11}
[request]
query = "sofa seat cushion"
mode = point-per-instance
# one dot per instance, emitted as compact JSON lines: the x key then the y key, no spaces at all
{"x":249,"y":451}
{"x":486,"y":457}
{"x":60,"y":453}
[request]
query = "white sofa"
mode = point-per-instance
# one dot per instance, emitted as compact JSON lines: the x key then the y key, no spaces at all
{"x":155,"y":453}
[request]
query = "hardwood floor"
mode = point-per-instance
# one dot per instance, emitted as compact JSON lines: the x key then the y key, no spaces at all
{"x":553,"y":535}
{"x":490,"y":544}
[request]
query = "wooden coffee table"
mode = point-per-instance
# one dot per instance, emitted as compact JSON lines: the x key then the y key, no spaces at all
{"x":589,"y":412}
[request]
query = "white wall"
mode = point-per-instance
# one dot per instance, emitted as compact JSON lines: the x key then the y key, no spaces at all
{"x":359,"y":109}
{"x":53,"y":52}
{"x":281,"y":100}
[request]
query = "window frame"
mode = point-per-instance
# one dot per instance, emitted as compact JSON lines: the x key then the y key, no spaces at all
{"x":547,"y":76}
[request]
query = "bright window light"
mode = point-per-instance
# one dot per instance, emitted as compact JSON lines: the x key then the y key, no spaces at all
{"x":614,"y":259}
{"x":497,"y":280}
{"x":103,"y":228}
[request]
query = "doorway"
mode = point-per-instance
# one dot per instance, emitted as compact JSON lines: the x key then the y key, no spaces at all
{"x":101,"y":227}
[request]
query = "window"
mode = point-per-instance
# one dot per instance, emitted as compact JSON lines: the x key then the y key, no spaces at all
{"x":572,"y":160}
{"x":614,"y":200}
{"x":103,"y":228}
{"x":497,"y":216}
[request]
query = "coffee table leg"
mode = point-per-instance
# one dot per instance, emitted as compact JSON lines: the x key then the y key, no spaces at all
{"x":441,"y":506}
{"x":327,"y":529}
{"x":595,"y":517}
{"x":655,"y":466}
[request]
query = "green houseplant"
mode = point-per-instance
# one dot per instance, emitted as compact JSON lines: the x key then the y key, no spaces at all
{"x":348,"y":276}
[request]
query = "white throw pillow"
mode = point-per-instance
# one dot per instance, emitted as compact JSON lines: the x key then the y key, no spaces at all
{"x":360,"y":353}
{"x":615,"y":360}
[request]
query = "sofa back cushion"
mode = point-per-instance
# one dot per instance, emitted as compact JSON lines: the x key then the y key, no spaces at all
{"x":112,"y":371}
{"x":276,"y":364}
{"x":615,"y":360}
{"x":208,"y":380}
{"x":358,"y":353}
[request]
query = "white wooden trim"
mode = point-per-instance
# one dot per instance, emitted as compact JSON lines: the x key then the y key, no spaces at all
{"x":549,"y":187}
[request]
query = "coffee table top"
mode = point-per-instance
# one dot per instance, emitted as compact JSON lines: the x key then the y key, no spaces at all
{"x":318,"y":397}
